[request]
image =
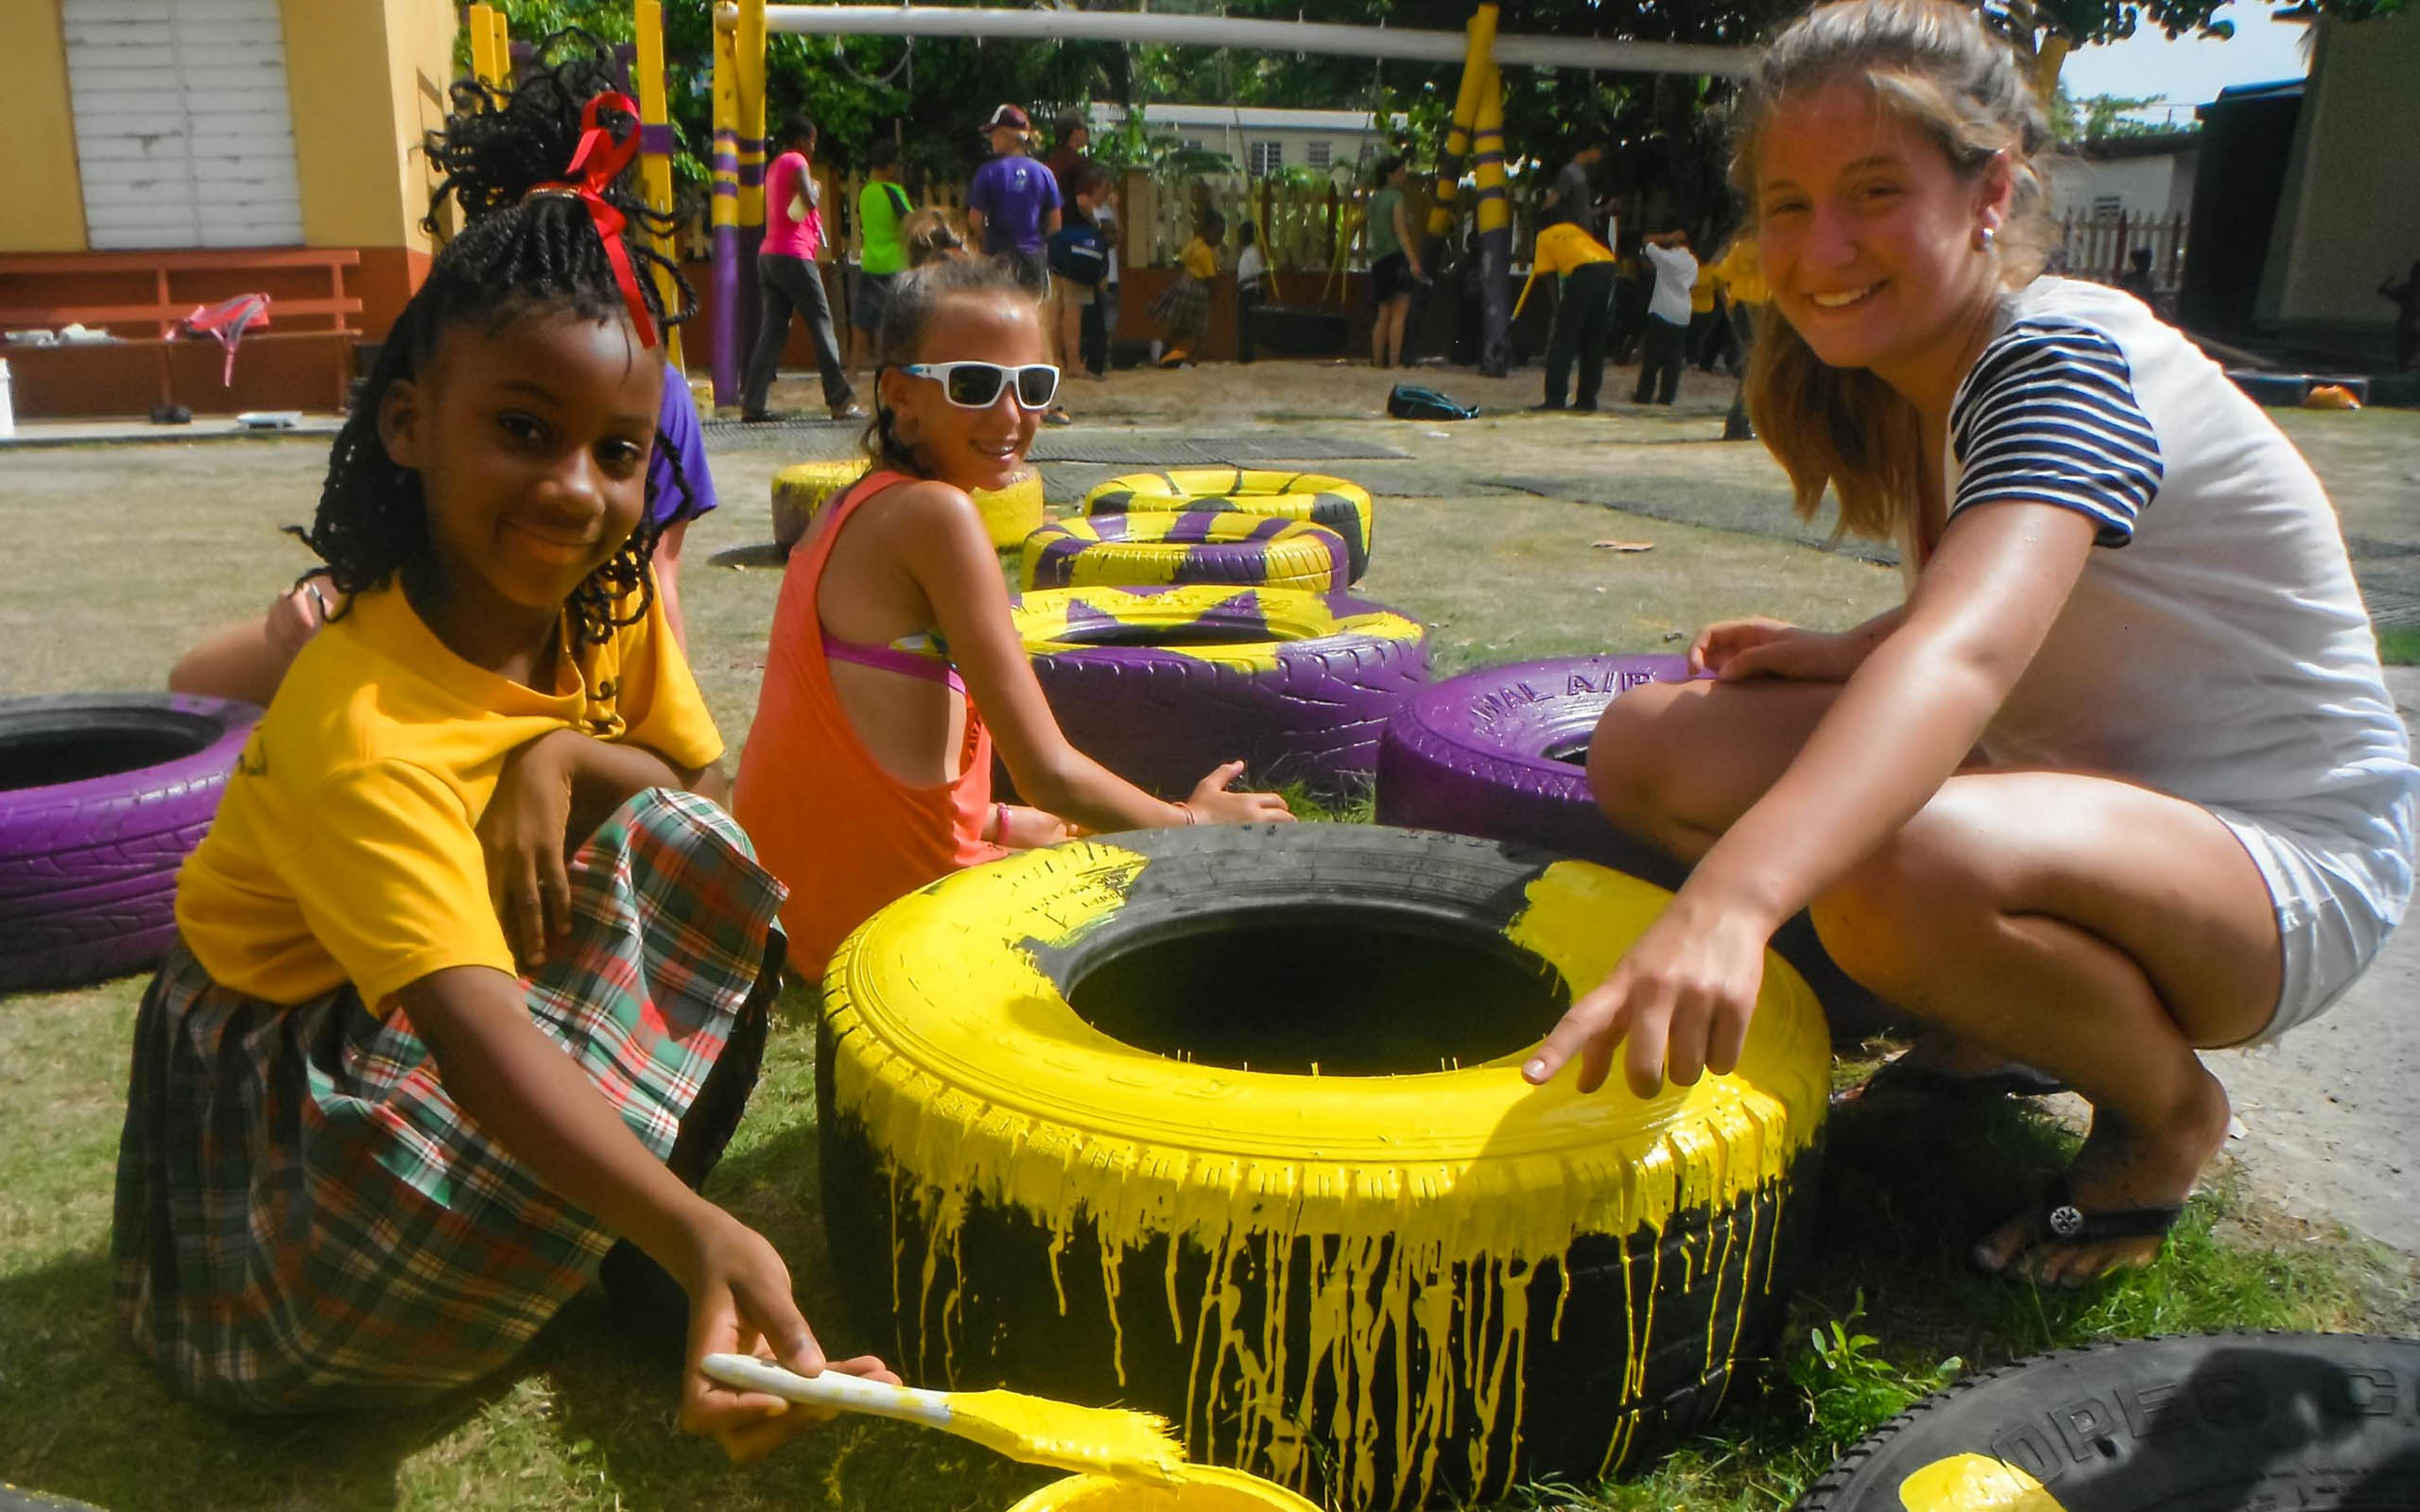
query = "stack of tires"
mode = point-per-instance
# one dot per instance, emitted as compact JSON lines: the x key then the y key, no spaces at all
{"x":1334,"y":502}
{"x":102,"y":796}
{"x":1198,"y":616}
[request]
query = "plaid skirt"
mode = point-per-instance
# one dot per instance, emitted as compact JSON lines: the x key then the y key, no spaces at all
{"x":1183,"y":308}
{"x":306,"y":1221}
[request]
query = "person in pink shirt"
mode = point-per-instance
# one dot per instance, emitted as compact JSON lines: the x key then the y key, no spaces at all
{"x":787,"y":280}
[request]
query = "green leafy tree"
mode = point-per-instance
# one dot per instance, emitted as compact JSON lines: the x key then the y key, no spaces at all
{"x":2102,"y":118}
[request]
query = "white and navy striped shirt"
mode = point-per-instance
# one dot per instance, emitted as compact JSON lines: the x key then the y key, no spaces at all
{"x":2048,"y":414}
{"x":2224,"y":656}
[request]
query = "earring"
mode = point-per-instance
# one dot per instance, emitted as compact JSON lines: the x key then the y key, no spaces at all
{"x":1983,"y":239}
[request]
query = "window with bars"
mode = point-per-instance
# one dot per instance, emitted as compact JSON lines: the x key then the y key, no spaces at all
{"x":1318,"y":154}
{"x":1264,"y":157}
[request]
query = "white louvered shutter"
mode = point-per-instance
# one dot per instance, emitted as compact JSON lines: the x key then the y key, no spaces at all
{"x":183,"y":135}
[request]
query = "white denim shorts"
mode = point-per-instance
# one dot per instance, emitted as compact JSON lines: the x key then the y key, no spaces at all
{"x":2336,"y":898}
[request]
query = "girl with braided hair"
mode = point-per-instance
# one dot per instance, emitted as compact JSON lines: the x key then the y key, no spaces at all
{"x":408,"y":1073}
{"x":493,"y":148}
{"x":894,"y":656}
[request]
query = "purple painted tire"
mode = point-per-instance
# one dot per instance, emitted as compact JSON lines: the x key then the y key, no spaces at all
{"x":1161,"y":685}
{"x":102,"y":796}
{"x":1502,"y":753}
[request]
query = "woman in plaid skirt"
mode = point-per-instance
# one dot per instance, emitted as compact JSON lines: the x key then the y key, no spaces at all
{"x":407,"y":1074}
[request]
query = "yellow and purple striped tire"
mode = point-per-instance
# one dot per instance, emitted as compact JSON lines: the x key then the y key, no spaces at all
{"x":1162,"y":684}
{"x":1152,"y":549}
{"x":1342,"y":505}
{"x":802,"y":491}
{"x":1227,"y":1123}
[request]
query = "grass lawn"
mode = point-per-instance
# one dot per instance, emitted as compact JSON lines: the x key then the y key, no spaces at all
{"x":123,"y":554}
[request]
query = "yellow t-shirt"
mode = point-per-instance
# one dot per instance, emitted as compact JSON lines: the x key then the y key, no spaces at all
{"x":1563,"y":248}
{"x":1200,"y":259}
{"x":346,"y":847}
{"x":1701,"y":292}
{"x":1742,"y":274}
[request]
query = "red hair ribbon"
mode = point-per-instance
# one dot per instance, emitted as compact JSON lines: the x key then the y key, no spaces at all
{"x":598,"y":160}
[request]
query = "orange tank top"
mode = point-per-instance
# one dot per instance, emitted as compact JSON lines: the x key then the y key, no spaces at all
{"x":844,"y":835}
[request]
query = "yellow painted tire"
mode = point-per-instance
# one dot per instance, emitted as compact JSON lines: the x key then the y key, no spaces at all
{"x":1207,"y":1488}
{"x":1228,"y":1123}
{"x":1160,"y":685}
{"x":1154,"y":548}
{"x":1342,"y":505}
{"x":802,"y":491}
{"x":1012,"y":513}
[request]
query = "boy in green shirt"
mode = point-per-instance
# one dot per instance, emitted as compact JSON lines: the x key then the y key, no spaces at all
{"x":882,"y":208}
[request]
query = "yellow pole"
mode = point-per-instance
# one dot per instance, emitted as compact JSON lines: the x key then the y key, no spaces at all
{"x":482,"y":44}
{"x":1487,"y":155}
{"x":655,"y":148}
{"x":1495,"y":224}
{"x":500,"y":47}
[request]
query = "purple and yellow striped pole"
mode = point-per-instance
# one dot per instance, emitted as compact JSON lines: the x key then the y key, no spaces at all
{"x":1477,"y":61}
{"x":724,"y":213}
{"x":1481,"y":35}
{"x":655,"y":148}
{"x":748,"y":51}
{"x":1495,"y":217}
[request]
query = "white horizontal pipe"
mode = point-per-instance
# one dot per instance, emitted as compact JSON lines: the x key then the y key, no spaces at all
{"x":1235,"y":32}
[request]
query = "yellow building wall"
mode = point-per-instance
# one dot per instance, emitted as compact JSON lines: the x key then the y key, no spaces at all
{"x":38,"y":184}
{"x":364,"y":80}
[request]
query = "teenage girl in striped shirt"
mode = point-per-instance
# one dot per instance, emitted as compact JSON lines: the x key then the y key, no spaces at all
{"x":2121,"y":780}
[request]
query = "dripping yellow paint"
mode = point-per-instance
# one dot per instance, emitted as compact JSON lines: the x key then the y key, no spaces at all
{"x":966,"y":1064}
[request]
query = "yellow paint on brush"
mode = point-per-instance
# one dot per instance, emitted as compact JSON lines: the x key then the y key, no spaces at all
{"x":1974,"y":1482}
{"x":1127,"y":1446}
{"x":962,"y":1059}
{"x":1198,"y":1488}
{"x":1052,"y":620}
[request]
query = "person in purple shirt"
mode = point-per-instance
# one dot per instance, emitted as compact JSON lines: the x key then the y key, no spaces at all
{"x":1012,"y":205}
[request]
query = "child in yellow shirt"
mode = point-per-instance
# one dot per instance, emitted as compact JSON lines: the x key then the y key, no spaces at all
{"x":408,"y":1073}
{"x":1184,"y":309}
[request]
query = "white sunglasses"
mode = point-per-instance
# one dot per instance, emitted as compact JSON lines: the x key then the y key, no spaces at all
{"x":977,"y":385}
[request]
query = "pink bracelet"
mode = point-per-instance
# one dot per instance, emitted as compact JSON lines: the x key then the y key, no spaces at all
{"x":1191,"y":817}
{"x":999,"y":824}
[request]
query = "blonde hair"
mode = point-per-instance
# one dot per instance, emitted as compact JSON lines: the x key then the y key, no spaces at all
{"x":1931,"y":65}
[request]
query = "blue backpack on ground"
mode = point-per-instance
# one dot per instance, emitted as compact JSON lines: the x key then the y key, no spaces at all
{"x":1411,"y":402}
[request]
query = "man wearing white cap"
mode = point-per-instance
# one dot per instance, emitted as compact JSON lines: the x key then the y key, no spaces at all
{"x":1012,"y":205}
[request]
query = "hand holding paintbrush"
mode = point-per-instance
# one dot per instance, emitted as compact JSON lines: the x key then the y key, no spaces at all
{"x":1130,"y":1445}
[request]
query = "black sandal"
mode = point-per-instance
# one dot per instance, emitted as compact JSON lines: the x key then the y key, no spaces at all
{"x":2059,"y":1221}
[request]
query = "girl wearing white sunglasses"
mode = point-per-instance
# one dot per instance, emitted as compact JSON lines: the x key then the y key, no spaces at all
{"x":894,"y":663}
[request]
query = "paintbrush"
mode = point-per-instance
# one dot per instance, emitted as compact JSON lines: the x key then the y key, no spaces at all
{"x":1036,"y":1429}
